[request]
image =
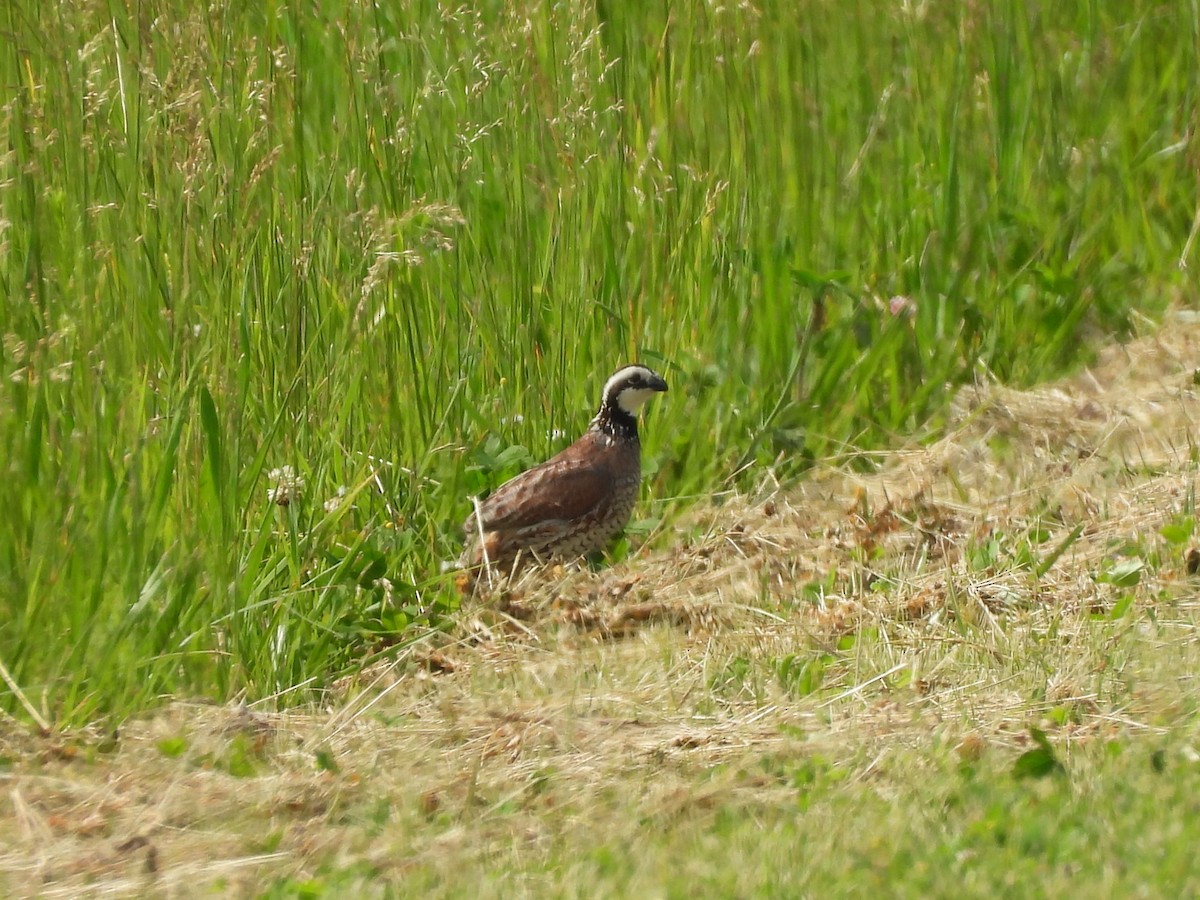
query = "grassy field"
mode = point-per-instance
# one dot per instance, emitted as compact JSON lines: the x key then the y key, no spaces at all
{"x":964,"y":675}
{"x":283,"y":285}
{"x":397,"y":248}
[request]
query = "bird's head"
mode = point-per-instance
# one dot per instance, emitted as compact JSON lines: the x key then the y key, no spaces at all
{"x":630,"y":387}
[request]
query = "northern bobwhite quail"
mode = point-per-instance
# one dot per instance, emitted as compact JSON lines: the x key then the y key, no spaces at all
{"x":575,"y":502}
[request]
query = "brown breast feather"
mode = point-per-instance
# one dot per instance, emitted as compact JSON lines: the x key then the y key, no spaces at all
{"x":577,"y":483}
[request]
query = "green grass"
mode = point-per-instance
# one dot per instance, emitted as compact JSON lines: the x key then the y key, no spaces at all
{"x":383,"y":244}
{"x":925,"y":823}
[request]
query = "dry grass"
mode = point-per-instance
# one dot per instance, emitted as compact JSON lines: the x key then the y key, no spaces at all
{"x":589,"y":704}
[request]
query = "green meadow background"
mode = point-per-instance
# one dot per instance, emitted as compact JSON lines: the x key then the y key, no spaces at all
{"x":371,"y":259}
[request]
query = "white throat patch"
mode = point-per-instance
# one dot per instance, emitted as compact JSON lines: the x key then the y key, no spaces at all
{"x":632,"y":399}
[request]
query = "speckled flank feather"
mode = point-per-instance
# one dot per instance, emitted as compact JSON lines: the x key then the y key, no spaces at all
{"x":577,"y":501}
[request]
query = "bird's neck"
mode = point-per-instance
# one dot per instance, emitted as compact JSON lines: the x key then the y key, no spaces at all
{"x":614,"y":421}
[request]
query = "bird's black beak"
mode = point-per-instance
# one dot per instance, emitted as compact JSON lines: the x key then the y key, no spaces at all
{"x":657,"y":384}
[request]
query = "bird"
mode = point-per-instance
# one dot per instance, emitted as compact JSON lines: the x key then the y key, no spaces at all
{"x":575,"y":502}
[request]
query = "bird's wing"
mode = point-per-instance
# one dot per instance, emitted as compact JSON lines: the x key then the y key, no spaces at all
{"x":561,"y":489}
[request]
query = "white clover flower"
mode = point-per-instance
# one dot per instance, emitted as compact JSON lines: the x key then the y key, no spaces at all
{"x":287,"y":485}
